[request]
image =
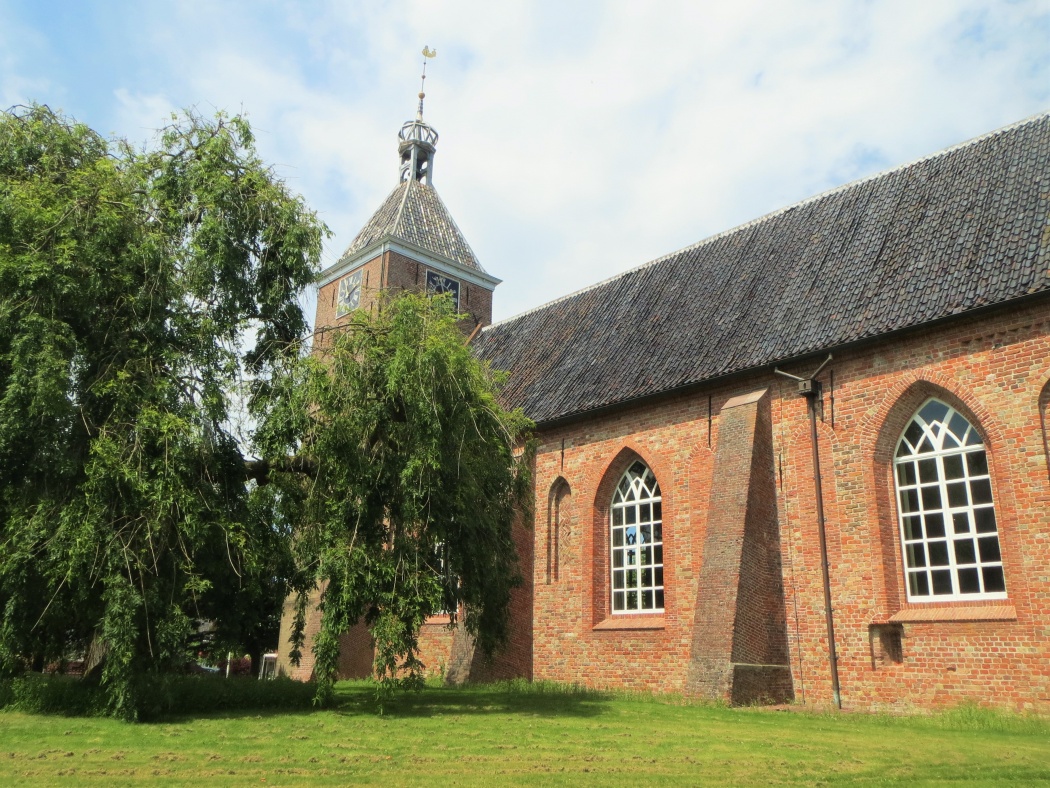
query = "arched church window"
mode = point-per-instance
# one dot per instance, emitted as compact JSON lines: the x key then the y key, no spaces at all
{"x":636,"y":523}
{"x":947,"y":517}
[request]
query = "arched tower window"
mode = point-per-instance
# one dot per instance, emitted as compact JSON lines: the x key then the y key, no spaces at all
{"x":636,"y":522}
{"x":948,"y":531}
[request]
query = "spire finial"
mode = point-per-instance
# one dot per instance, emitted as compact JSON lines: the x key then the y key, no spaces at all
{"x":427,"y":54}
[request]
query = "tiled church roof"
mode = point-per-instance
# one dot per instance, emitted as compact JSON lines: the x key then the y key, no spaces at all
{"x":413,"y":212}
{"x":956,"y":231}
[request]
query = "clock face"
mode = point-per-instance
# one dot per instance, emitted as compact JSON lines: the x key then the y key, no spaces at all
{"x":439,"y":283}
{"x":349,"y":296}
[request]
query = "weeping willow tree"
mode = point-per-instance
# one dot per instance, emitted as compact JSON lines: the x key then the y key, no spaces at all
{"x":143,"y":293}
{"x":412,"y":486}
{"x":145,"y":297}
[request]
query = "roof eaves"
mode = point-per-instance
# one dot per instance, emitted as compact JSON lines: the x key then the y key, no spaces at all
{"x":693,"y":385}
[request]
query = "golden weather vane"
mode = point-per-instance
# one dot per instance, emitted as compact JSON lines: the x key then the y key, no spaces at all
{"x":427,"y":54}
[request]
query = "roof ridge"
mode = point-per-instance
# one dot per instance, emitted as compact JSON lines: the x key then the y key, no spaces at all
{"x":459,"y":232}
{"x":396,"y":224}
{"x":778,"y":212}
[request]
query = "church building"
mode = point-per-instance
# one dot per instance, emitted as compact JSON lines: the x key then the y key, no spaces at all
{"x":806,"y":459}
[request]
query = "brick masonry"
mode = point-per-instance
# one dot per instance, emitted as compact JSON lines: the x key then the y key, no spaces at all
{"x":739,"y":651}
{"x":994,"y":369}
{"x":392,"y":272}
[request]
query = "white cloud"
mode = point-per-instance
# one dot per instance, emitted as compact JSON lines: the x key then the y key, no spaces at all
{"x":581,"y":139}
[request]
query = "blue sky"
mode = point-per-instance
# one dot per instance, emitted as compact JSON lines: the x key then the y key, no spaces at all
{"x":578,"y":139}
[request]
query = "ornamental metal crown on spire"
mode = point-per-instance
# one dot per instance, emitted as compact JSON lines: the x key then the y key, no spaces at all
{"x":418,"y":140}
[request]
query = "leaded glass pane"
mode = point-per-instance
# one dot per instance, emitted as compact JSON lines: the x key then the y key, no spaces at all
{"x":953,"y":467}
{"x":958,"y":425}
{"x":964,"y":552}
{"x":933,"y":411}
{"x":914,"y":433}
{"x":918,"y":584}
{"x":989,"y":549}
{"x":969,"y":581}
{"x":942,"y":582}
{"x":977,"y":463}
{"x":985,"y":520}
{"x":934,"y":525}
{"x":906,"y":473}
{"x":931,"y":498}
{"x":957,"y":494}
{"x":916,"y":555}
{"x":927,"y":471}
{"x":938,"y":553}
{"x":981,"y":490}
{"x":941,"y":451}
{"x":994,"y":581}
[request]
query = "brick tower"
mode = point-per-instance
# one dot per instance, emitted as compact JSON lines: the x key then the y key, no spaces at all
{"x":410,"y":243}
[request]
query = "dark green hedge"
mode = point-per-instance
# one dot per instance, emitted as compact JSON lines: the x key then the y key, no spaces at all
{"x":158,"y":696}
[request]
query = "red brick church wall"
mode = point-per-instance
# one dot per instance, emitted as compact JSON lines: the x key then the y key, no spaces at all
{"x":994,"y":369}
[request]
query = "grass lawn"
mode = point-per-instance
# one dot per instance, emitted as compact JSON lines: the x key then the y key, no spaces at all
{"x":487,"y":735}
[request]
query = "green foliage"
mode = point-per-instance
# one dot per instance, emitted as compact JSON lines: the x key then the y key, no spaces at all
{"x":139,"y":292}
{"x":415,"y":484}
{"x":155,"y":696}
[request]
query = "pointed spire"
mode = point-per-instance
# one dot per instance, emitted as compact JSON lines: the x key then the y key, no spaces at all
{"x":418,"y":140}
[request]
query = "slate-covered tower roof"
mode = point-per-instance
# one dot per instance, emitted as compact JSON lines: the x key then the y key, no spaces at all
{"x":960,"y":230}
{"x":413,"y":213}
{"x":414,"y":223}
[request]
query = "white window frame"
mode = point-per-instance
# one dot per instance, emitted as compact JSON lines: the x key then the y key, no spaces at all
{"x":945,"y":509}
{"x":636,"y":567}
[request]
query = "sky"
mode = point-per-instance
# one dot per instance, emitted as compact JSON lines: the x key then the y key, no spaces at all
{"x":578,"y":139}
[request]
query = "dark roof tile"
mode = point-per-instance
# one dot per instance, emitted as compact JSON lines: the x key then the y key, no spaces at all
{"x":959,"y":230}
{"x":413,"y":212}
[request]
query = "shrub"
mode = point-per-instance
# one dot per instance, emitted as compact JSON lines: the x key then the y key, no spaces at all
{"x":158,"y":695}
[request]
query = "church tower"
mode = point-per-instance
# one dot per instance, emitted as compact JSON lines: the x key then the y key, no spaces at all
{"x":410,"y":243}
